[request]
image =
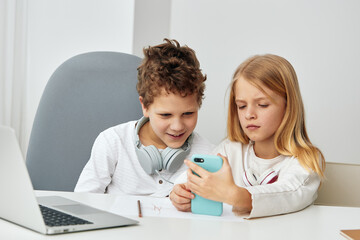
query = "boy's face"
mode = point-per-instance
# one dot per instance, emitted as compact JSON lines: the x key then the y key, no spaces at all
{"x":172,"y":120}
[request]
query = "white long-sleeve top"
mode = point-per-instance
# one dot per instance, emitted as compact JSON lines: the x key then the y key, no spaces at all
{"x":295,"y":189}
{"x":113,"y":166}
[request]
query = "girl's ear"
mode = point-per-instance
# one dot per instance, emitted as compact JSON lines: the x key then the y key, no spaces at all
{"x":144,"y":109}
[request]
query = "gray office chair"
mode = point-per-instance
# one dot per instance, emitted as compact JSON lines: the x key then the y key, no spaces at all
{"x":85,"y":95}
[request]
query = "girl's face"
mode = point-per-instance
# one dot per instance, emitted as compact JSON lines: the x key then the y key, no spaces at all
{"x":259,"y":116}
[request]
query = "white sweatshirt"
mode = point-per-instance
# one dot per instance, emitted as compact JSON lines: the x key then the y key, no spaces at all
{"x":295,"y":189}
{"x":113,"y":166}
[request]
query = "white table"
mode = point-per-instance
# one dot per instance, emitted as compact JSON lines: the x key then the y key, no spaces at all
{"x":314,"y":222}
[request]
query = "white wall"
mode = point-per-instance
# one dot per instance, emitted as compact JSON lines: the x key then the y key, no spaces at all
{"x":151,"y":23}
{"x":320,"y":38}
{"x":61,"y":29}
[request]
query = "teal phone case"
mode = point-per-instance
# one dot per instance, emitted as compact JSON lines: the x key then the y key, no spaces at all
{"x":200,"y":205}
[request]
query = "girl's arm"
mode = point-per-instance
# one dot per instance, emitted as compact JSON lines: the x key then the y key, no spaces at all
{"x":218,"y":186}
{"x":295,"y":189}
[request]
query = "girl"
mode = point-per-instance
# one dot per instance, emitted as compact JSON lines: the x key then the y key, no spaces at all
{"x":269,"y":164}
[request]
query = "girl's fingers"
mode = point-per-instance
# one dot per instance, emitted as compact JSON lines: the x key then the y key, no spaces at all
{"x":199,"y":170}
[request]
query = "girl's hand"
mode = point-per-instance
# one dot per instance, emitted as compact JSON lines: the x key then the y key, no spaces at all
{"x":218,"y":186}
{"x":181,"y":197}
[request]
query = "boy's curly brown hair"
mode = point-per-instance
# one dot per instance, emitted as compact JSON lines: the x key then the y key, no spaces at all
{"x":172,"y":68}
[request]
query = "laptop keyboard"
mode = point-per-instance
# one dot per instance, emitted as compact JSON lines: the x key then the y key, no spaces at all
{"x":55,"y":218}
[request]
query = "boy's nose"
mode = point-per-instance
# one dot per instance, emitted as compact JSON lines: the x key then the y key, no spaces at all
{"x":177,"y":125}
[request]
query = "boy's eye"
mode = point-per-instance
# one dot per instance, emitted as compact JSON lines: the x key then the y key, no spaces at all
{"x":188,"y":113}
{"x":165,"y":114}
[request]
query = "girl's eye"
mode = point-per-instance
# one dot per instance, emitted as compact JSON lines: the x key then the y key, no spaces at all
{"x":264,"y":105}
{"x":242,"y":107}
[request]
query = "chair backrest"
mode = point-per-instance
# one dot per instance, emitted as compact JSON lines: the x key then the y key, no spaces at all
{"x":85,"y":95}
{"x":341,"y":186}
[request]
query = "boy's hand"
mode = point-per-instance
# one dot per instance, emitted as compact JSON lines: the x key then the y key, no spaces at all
{"x":181,"y":197}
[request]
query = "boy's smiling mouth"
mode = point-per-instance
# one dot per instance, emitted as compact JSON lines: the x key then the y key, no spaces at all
{"x":176,"y":136}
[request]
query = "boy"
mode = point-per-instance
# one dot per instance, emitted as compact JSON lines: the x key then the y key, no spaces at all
{"x":144,"y":157}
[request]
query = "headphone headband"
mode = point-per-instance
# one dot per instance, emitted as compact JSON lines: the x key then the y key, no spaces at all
{"x":139,"y":124}
{"x":152,"y":160}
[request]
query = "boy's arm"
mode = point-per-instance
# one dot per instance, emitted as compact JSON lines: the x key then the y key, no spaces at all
{"x":96,"y":175}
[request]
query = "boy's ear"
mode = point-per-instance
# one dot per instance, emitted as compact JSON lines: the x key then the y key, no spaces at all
{"x":144,"y":109}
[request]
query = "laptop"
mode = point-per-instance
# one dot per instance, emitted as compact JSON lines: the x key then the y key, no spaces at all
{"x":47,"y":215}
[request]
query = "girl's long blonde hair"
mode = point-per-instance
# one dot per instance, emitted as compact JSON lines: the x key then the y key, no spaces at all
{"x":291,"y":138}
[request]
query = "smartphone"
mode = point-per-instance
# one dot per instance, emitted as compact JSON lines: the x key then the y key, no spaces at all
{"x":200,"y":205}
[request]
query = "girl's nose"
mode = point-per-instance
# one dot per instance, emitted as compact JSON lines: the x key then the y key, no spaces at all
{"x":250,"y":113}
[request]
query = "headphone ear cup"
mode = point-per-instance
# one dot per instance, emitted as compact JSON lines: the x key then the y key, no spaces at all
{"x":268,"y":177}
{"x":249,"y":178}
{"x":150,"y":159}
{"x":173,"y":158}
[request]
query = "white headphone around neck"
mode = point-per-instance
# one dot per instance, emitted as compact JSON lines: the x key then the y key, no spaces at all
{"x":251,"y":179}
{"x":152,"y":160}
